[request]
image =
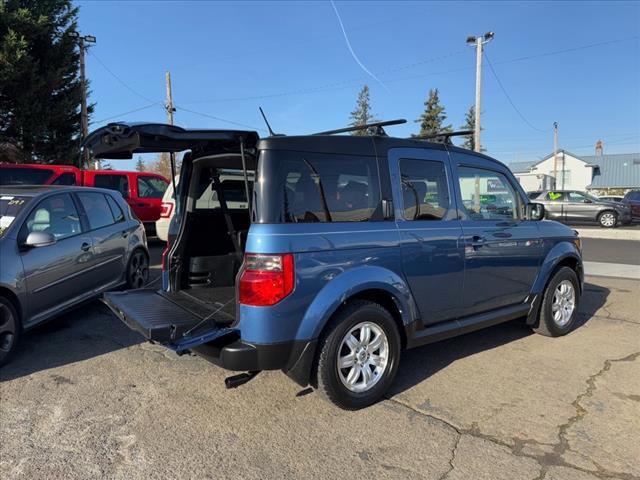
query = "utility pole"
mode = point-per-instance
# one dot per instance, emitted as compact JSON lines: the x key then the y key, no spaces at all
{"x":84,"y":114}
{"x":170,"y":109}
{"x":478,"y":42}
{"x":555,"y":154}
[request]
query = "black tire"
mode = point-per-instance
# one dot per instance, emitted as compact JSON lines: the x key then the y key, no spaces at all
{"x":9,"y":329}
{"x":547,"y":324}
{"x":605,"y":218}
{"x":137,"y":274}
{"x":329,"y":378}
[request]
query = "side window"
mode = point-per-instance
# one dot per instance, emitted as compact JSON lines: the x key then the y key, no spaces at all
{"x":576,"y":197}
{"x":487,"y":195}
{"x":119,"y":183}
{"x":97,"y":209}
{"x":65,"y":179}
{"x":116,"y":211}
{"x":555,"y":196}
{"x":56,"y":215}
{"x":151,"y":187}
{"x":425,"y":192}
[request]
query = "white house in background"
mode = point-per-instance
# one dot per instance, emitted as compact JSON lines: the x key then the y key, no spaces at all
{"x":599,"y":173}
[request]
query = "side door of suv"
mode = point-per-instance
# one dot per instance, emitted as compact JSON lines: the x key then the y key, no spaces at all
{"x":554,"y":203}
{"x":429,"y":230}
{"x":579,"y":208}
{"x":56,"y":275}
{"x":502,"y":250}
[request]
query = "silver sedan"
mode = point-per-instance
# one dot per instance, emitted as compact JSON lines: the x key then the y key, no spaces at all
{"x":61,"y":246}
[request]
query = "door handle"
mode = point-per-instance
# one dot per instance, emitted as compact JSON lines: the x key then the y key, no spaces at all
{"x":125,"y":234}
{"x":85,"y":247}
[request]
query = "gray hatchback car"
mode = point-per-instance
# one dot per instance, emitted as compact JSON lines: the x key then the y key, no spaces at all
{"x":573,"y":206}
{"x":61,"y":246}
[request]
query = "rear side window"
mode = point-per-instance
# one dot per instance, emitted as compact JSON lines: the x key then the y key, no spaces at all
{"x":425,"y":194}
{"x":633,"y":195}
{"x":116,"y":211}
{"x":97,"y":209}
{"x":299,"y":187}
{"x":65,"y":179}
{"x":119,"y":183}
{"x":24,"y":176}
{"x":151,"y":187}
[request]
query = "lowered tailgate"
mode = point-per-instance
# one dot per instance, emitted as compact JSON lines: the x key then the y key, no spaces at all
{"x":164,"y":320}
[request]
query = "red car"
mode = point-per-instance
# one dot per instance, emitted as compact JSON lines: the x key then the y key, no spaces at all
{"x":142,"y":190}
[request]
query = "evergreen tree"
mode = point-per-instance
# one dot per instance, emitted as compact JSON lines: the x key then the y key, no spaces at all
{"x":39,"y":81}
{"x":362,"y":114}
{"x":470,"y":124}
{"x":140,"y":165}
{"x":432,"y":119}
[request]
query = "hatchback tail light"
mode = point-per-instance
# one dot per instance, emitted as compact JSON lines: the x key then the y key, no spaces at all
{"x":166,"y":209}
{"x":266,"y":279}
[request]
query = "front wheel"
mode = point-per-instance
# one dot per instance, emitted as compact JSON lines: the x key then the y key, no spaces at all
{"x":559,"y":309}
{"x":9,"y":329}
{"x":359,"y":355}
{"x":137,"y":269}
{"x":608,"y":219}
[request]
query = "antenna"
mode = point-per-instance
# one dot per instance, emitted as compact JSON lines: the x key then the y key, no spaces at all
{"x":377,"y":126}
{"x":446,"y":136}
{"x":267,"y":122}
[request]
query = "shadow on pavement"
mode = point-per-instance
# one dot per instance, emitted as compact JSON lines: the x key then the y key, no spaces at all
{"x":81,"y":334}
{"x":419,"y":364}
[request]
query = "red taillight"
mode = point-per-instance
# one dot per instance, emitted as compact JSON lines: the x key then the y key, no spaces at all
{"x":166,"y":209}
{"x":266,"y":279}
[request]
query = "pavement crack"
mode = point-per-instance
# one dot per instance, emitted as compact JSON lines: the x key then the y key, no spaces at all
{"x":454,"y":451}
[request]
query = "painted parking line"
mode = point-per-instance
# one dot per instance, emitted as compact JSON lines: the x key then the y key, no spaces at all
{"x":621,"y":270}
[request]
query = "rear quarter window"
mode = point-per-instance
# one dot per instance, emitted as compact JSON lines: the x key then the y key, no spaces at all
{"x":25,"y":176}
{"x":300,"y":187}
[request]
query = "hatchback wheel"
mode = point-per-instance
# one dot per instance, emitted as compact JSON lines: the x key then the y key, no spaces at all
{"x":359,"y":355}
{"x":608,"y":219}
{"x":138,"y":269}
{"x":9,"y":329}
{"x":559,"y":309}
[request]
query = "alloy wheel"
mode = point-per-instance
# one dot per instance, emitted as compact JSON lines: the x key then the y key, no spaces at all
{"x":608,"y":219}
{"x":363,"y":357}
{"x":7,"y":330}
{"x":564,"y":303}
{"x":138,"y":270}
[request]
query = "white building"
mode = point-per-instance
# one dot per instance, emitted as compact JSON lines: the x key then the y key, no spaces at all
{"x":600,"y":173}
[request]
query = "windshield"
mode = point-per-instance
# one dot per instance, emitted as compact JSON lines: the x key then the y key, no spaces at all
{"x":10,"y":206}
{"x":24,"y":176}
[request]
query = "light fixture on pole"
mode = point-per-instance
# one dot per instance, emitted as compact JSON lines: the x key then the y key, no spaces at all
{"x":478,"y":42}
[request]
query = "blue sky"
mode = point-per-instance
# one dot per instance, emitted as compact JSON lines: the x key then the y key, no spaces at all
{"x":228,"y":58}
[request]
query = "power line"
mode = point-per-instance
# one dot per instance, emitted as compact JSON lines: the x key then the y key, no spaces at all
{"x":126,"y":113}
{"x":509,"y":98}
{"x":220,"y":119}
{"x":122,"y":82}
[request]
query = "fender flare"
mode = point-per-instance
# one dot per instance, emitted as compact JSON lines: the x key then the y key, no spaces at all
{"x":350,"y":283}
{"x":556,"y":255}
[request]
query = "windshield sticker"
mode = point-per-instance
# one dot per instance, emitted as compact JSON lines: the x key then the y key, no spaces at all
{"x":554,"y":195}
{"x":4,"y":197}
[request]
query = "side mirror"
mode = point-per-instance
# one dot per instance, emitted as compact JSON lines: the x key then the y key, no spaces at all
{"x":587,"y":200}
{"x":39,"y":239}
{"x":535,"y":211}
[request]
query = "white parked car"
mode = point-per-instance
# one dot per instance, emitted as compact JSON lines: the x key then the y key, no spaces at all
{"x":233,"y":185}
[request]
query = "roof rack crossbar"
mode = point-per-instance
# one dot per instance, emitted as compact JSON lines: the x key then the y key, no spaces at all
{"x":376,"y":126}
{"x":446,"y":136}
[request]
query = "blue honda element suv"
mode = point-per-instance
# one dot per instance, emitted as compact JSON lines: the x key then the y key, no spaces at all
{"x":352,"y":249}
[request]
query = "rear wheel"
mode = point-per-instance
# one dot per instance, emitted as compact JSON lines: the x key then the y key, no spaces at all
{"x":138,"y":269}
{"x":359,"y":355}
{"x":608,"y":219}
{"x":9,"y":329}
{"x":559,"y":309}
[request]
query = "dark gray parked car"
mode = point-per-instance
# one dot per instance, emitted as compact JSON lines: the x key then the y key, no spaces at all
{"x":573,"y":206}
{"x":61,"y":246}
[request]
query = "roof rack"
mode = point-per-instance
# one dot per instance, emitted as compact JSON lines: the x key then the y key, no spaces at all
{"x":376,"y":127}
{"x":445,"y":136}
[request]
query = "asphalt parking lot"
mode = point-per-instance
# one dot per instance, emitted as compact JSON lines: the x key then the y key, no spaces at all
{"x":84,"y":398}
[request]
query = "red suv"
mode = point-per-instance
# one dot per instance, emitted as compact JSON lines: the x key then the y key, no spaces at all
{"x":142,"y":190}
